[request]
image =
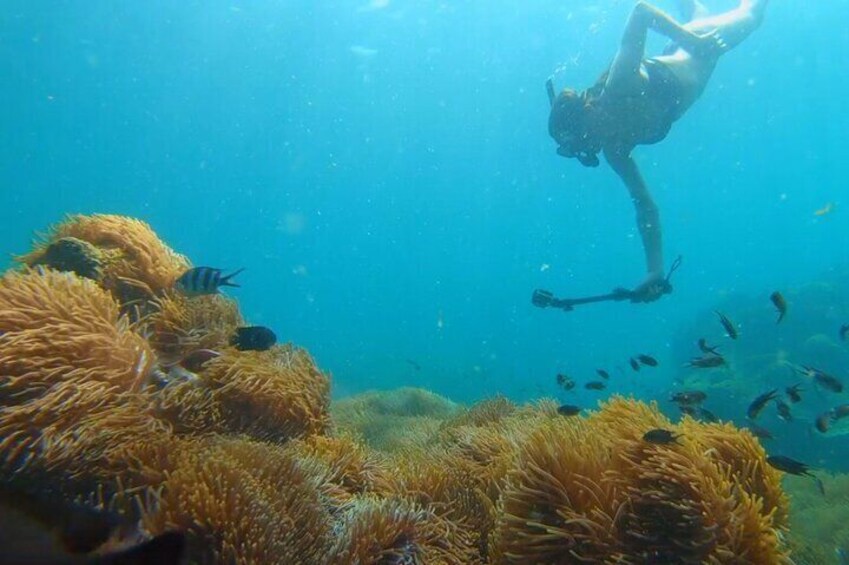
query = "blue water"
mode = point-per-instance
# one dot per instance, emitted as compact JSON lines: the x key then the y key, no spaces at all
{"x":383,"y":171}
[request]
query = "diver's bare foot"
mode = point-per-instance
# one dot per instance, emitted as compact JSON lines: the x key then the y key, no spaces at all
{"x":691,"y":10}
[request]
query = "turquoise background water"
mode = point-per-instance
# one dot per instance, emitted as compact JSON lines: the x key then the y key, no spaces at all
{"x":383,"y":172}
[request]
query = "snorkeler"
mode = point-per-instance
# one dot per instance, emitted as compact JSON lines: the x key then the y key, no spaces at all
{"x":637,"y":99}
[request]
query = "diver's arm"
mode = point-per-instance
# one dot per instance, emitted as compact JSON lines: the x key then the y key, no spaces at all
{"x":648,"y":216}
{"x":626,"y":65}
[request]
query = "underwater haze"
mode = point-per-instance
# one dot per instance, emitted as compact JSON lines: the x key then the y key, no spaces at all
{"x":382,"y":170}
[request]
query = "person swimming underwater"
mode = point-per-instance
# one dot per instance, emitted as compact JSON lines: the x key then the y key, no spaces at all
{"x":636,"y":101}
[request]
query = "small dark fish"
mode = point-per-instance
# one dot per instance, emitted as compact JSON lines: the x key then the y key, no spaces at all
{"x":253,"y":338}
{"x":688,"y":397}
{"x":839,"y":412}
{"x":783,"y":410}
{"x":634,"y":364}
{"x":569,"y":410}
{"x":780,"y":305}
{"x":823,"y":421}
{"x":793,"y":393}
{"x":414,"y":365}
{"x":602,"y":373}
{"x":200,"y":281}
{"x":759,"y":431}
{"x":788,"y":465}
{"x":689,"y":410}
{"x":565,"y":382}
{"x":647,"y":360}
{"x":758,"y":404}
{"x":843,"y":332}
{"x":820,"y":486}
{"x":728,"y":325}
{"x":660,"y":436}
{"x":595,"y":385}
{"x":706,"y":415}
{"x":195,"y":360}
{"x":823,"y":379}
{"x":705,"y":348}
{"x":707,"y":362}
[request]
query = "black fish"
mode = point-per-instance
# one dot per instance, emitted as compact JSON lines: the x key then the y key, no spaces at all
{"x":705,"y":348}
{"x":634,"y":364}
{"x":204,"y":280}
{"x":688,"y":397}
{"x":602,"y":373}
{"x":758,"y":404}
{"x":647,"y":360}
{"x":843,"y":331}
{"x":595,"y":385}
{"x":823,"y":421}
{"x":820,"y":486}
{"x":565,"y":382}
{"x":706,"y":362}
{"x":759,"y":431}
{"x":569,"y":410}
{"x":660,"y":436}
{"x":823,"y":379}
{"x":783,"y":410}
{"x":688,"y":410}
{"x":46,"y":531}
{"x":839,"y":412}
{"x":780,"y":305}
{"x":728,"y":325}
{"x":706,"y":415}
{"x":253,"y":338}
{"x":195,"y":360}
{"x":793,"y":393}
{"x":413,"y":364}
{"x":788,"y":465}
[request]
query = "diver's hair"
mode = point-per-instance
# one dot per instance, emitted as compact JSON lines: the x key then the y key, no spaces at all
{"x":568,"y":113}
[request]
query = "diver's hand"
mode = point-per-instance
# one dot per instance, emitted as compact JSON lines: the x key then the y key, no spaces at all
{"x":710,"y":44}
{"x":652,"y":288}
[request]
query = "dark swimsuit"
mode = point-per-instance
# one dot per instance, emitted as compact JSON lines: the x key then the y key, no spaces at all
{"x":647,"y":117}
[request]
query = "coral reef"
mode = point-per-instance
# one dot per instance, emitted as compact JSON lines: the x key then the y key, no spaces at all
{"x":116,"y":391}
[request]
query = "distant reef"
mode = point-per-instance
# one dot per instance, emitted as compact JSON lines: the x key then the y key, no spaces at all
{"x":119,"y":392}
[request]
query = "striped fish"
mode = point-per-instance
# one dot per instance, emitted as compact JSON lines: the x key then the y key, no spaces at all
{"x":203,"y":280}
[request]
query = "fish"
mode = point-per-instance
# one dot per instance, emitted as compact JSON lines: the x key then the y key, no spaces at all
{"x":758,"y":403}
{"x":688,"y":397}
{"x":647,"y":360}
{"x":825,"y":210}
{"x":565,"y":382}
{"x":780,"y":305}
{"x":783,"y":410}
{"x":595,"y":385}
{"x":40,"y":530}
{"x":706,"y":415}
{"x":728,"y":325}
{"x":823,"y":422}
{"x":568,"y":410}
{"x":634,"y":364}
{"x":414,"y":365}
{"x":660,"y":436}
{"x":602,"y":373}
{"x":705,"y":348}
{"x":688,"y":410}
{"x":253,"y":338}
{"x":820,"y":485}
{"x":195,"y":360}
{"x":793,"y":393}
{"x":828,"y":382}
{"x":706,"y":362}
{"x":788,"y":465}
{"x":839,"y":412}
{"x":843,"y":332}
{"x":200,"y":281}
{"x":759,"y":431}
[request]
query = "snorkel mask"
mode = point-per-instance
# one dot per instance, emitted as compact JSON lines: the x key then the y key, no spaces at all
{"x":565,"y":122}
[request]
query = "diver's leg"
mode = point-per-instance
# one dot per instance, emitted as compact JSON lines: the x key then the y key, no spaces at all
{"x":733,"y":26}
